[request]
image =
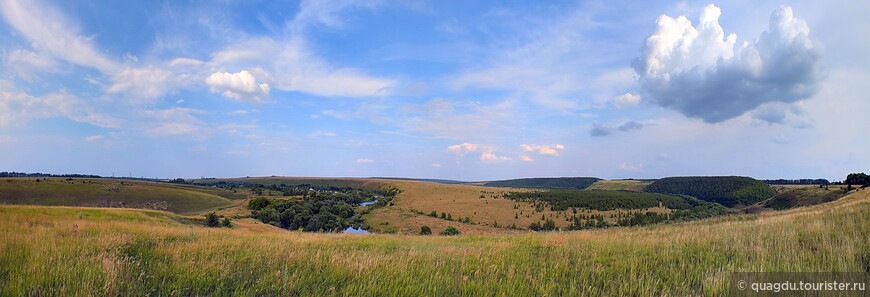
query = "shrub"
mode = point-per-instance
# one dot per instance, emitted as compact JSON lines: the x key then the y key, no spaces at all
{"x":425,"y":230}
{"x":211,"y":219}
{"x":226,"y":222}
{"x":450,"y":231}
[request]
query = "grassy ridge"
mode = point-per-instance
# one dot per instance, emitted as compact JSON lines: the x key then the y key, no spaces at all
{"x":619,"y":185}
{"x":99,"y":252}
{"x":545,"y":183}
{"x":726,"y":190}
{"x":804,"y":196}
{"x":183,"y":199}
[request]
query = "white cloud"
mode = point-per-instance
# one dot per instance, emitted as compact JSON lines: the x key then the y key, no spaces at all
{"x":365,"y":161}
{"x":145,"y":82}
{"x":492,"y":157}
{"x":295,"y":68}
{"x":543,"y":149}
{"x":702,"y":73}
{"x":464,"y":148}
{"x":94,"y":138}
{"x":241,"y":85}
{"x":526,"y":158}
{"x":626,"y":100}
{"x":16,"y":108}
{"x":48,"y":31}
{"x":26,"y":63}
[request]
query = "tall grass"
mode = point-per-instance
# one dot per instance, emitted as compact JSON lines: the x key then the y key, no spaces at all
{"x":105,"y":252}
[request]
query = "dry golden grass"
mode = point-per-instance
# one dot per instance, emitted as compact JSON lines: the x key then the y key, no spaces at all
{"x":461,"y":201}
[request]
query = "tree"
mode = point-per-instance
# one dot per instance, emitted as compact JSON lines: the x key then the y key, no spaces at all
{"x":258,"y":203}
{"x":860,"y":179}
{"x":211,"y":219}
{"x":226,"y":222}
{"x":425,"y":230}
{"x":450,"y":231}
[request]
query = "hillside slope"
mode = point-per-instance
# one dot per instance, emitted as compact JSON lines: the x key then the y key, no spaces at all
{"x":726,"y":190}
{"x":183,"y":199}
{"x":544,"y":183}
{"x":98,"y":252}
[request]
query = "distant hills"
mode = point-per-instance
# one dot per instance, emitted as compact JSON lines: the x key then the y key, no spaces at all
{"x":577,"y":183}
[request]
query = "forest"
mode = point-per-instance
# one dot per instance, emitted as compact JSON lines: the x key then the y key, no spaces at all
{"x":325,"y":211}
{"x":729,"y":191}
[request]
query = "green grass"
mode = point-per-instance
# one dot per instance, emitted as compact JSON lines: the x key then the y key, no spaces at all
{"x":183,"y":199}
{"x":619,"y":185}
{"x":100,"y":252}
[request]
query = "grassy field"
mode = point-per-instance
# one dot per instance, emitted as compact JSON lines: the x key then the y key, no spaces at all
{"x":106,"y":252}
{"x":178,"y":198}
{"x":619,"y":185}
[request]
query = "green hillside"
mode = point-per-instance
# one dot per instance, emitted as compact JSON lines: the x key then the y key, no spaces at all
{"x":103,"y":192}
{"x":726,"y":190}
{"x":545,"y":183}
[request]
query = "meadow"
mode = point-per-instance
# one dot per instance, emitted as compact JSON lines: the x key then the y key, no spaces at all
{"x":102,"y":192}
{"x":106,"y":252}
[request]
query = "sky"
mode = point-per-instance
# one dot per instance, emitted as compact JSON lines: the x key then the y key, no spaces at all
{"x":464,"y":90}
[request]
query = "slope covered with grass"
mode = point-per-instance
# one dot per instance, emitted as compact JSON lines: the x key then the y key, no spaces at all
{"x":183,"y":199}
{"x":726,"y":190}
{"x":100,"y":252}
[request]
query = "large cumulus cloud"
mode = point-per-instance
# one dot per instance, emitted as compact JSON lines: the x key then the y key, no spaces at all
{"x":702,"y":73}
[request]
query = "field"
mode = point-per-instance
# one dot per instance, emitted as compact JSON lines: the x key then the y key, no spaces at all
{"x":178,"y":198}
{"x":97,"y":252}
{"x":619,"y":185}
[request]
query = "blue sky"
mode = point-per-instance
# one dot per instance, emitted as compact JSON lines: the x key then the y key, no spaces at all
{"x":438,"y":89}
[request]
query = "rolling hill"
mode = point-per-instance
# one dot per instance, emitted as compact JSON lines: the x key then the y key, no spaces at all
{"x":726,"y":190}
{"x":104,"y":192}
{"x":78,"y":251}
{"x":544,"y":183}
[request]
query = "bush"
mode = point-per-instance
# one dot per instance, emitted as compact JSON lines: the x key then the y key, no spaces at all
{"x":450,"y":231}
{"x":211,"y":219}
{"x":226,"y":222}
{"x":425,"y":230}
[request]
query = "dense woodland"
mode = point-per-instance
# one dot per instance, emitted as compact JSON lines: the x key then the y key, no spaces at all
{"x":860,"y":179}
{"x":326,"y":211}
{"x":545,"y":183}
{"x":729,"y":191}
